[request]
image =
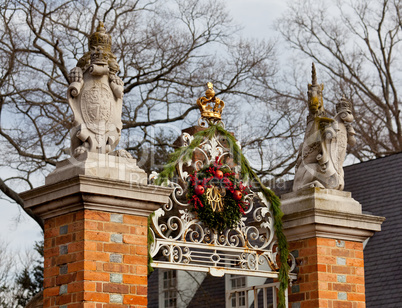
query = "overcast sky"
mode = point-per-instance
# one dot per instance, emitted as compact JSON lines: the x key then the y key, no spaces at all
{"x":256,"y":16}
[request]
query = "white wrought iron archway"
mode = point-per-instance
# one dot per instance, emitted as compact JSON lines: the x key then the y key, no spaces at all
{"x":183,"y":242}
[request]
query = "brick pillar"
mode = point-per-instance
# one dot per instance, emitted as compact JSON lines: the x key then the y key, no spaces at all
{"x":95,"y":240}
{"x":326,"y":230}
{"x":95,"y":257}
{"x":330,"y":273}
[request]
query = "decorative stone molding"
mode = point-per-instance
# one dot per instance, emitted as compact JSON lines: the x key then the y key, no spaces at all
{"x":91,"y":192}
{"x":317,"y":212}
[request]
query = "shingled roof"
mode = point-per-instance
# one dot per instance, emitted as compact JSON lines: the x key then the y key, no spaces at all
{"x":377,"y":185}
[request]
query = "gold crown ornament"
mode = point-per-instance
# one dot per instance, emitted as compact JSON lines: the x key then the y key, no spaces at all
{"x":210,"y":106}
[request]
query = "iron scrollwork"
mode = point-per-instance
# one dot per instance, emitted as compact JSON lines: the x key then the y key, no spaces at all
{"x":181,"y":239}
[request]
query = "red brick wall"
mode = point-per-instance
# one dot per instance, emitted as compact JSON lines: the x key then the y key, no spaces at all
{"x":331,"y":274}
{"x":95,"y":259}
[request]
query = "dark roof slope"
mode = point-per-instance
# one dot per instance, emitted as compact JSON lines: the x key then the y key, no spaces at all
{"x":153,"y":289}
{"x":377,"y":185}
{"x":210,"y":294}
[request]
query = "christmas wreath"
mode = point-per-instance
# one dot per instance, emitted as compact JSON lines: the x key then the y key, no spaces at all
{"x":217,"y":196}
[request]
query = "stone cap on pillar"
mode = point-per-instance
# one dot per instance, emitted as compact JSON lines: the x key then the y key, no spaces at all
{"x":92,"y":192}
{"x":318,"y":212}
{"x":107,"y":166}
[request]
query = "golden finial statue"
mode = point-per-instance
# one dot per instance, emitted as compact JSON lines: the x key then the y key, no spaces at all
{"x":210,"y":106}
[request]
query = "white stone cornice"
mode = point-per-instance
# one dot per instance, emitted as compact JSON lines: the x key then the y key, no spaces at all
{"x":90,"y":192}
{"x":326,"y":213}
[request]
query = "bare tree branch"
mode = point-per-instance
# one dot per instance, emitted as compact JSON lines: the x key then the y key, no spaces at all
{"x":355,"y":43}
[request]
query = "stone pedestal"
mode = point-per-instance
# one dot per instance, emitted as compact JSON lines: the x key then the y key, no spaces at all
{"x":95,"y":234}
{"x":100,"y":165}
{"x":326,"y":230}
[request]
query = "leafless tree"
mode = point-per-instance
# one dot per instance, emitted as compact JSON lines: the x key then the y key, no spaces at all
{"x":21,"y":275}
{"x":167,"y":51}
{"x":7,"y":265}
{"x":358,"y":45}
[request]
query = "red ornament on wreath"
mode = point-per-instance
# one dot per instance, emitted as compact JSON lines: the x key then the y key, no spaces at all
{"x":219,"y":174}
{"x":237,"y":195}
{"x":199,"y":190}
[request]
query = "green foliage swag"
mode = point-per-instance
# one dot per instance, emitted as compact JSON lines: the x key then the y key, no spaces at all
{"x":150,"y":241}
{"x":186,"y":153}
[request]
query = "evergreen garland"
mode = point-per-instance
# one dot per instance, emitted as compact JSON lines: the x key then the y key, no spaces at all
{"x":185,"y":154}
{"x":248,"y":173}
{"x":150,"y":241}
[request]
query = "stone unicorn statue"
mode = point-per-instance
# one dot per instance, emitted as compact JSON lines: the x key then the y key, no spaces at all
{"x":321,"y":156}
